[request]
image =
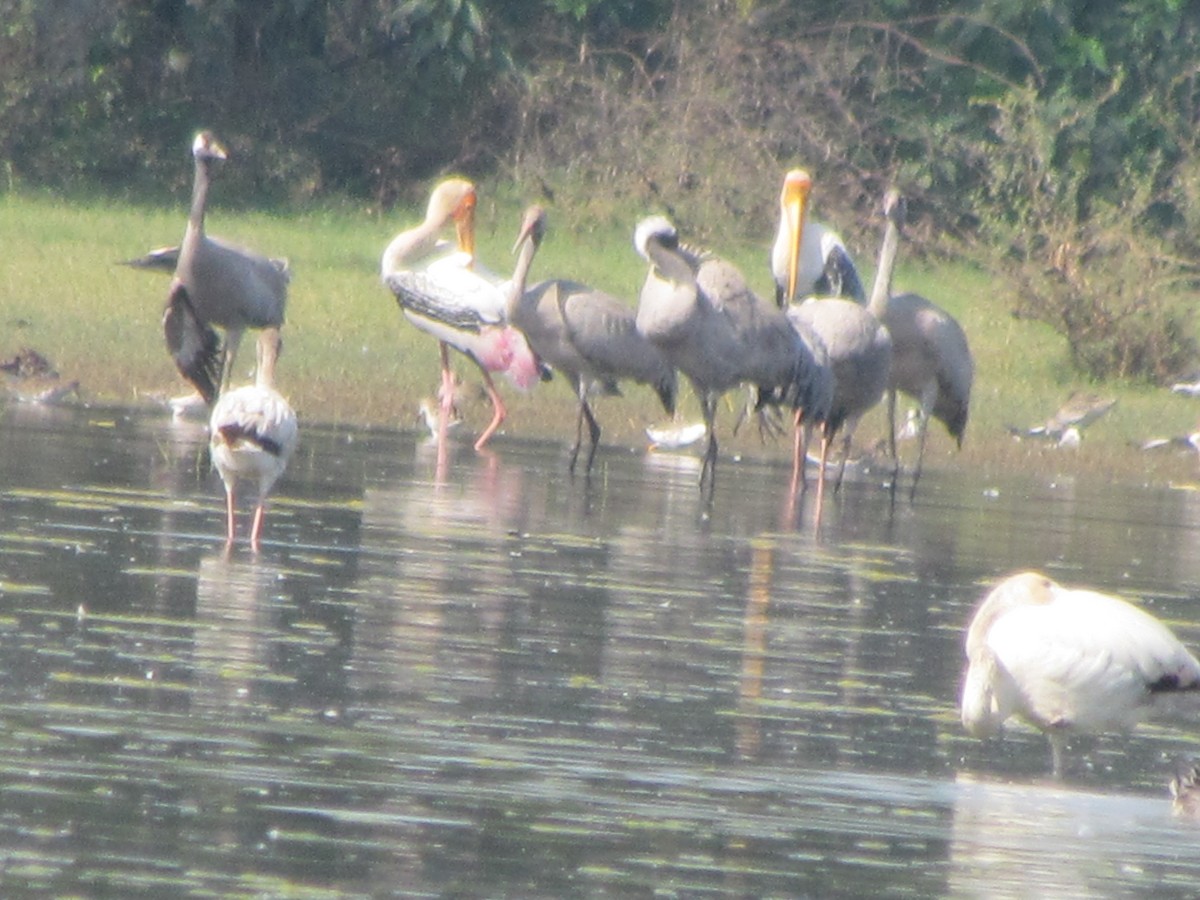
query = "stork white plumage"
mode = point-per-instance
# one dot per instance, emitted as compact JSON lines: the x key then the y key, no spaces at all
{"x":1069,"y":661}
{"x":808,"y":258}
{"x":252,"y":435}
{"x":443,"y":292}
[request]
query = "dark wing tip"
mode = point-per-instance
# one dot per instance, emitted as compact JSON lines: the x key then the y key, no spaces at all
{"x":193,"y":344}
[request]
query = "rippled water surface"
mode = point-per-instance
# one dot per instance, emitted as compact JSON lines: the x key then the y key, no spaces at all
{"x":489,"y":679}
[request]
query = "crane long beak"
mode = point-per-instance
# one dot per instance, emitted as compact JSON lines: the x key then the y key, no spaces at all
{"x":526,"y":234}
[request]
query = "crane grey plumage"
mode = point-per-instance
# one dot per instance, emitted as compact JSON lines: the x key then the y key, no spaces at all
{"x":699,"y":310}
{"x":226,"y":286}
{"x":931,"y":359}
{"x":165,"y":259}
{"x":589,"y":336}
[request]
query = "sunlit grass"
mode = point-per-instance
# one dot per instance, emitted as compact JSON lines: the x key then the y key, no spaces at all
{"x":350,"y":358}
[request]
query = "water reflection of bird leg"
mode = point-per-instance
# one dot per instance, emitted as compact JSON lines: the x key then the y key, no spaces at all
{"x":442,"y":462}
{"x":754,"y":637}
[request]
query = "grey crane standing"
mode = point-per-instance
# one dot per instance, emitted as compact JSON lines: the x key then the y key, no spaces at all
{"x":931,"y":359}
{"x":217,"y":284}
{"x":858,"y":345}
{"x":699,"y":310}
{"x":590,"y":337}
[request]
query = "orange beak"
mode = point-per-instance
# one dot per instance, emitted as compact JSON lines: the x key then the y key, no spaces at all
{"x":464,"y":224}
{"x":794,"y":201}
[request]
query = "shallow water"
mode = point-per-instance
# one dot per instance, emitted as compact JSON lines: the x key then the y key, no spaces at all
{"x":485,"y":678}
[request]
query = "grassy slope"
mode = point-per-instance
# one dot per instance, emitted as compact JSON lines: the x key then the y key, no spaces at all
{"x":350,"y":358}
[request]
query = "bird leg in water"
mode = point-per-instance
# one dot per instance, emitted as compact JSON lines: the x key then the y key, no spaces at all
{"x":1058,"y":745}
{"x":256,"y":529}
{"x":233,"y":340}
{"x":446,"y":391}
{"x":891,"y":443}
{"x":585,"y":413}
{"x":230,"y":520}
{"x":497,"y":405}
{"x":708,"y":469}
{"x":799,"y":453}
{"x":821,"y":479}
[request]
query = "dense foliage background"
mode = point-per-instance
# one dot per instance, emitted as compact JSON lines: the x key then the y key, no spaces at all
{"x":1052,"y":141}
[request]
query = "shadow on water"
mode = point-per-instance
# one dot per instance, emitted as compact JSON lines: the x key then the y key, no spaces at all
{"x":476,"y":675}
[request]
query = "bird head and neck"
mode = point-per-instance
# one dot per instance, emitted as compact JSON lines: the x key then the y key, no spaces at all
{"x":657,"y":241}
{"x":793,"y":209}
{"x":529,"y":239}
{"x":453,"y":200}
{"x":270,"y":345}
{"x":206,"y":150}
{"x":895,"y":211}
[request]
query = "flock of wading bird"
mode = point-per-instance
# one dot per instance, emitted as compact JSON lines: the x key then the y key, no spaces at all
{"x":1064,"y":660}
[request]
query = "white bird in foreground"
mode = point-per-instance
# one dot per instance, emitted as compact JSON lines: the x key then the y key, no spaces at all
{"x":253,"y":433}
{"x":1069,"y":661}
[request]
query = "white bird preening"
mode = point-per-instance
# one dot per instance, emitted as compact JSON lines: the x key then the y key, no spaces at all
{"x":216,"y":283}
{"x":931,"y":360}
{"x":807,"y":258}
{"x":858,"y":345}
{"x":441,"y":291}
{"x":1069,"y":661}
{"x":252,"y":435}
{"x":699,"y":310}
{"x":588,"y":336}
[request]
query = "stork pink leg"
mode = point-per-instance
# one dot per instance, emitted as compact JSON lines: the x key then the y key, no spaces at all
{"x":821,"y":478}
{"x":497,"y":405}
{"x":446,"y":394}
{"x":256,"y":530}
{"x":799,"y":452}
